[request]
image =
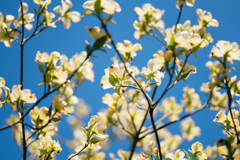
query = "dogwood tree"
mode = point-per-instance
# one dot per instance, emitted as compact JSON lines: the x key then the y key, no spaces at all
{"x":139,"y":102}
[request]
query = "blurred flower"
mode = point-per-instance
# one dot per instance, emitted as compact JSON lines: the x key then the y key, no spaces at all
{"x":107,"y":6}
{"x":189,"y":130}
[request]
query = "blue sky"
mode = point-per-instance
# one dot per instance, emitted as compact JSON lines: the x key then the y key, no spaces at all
{"x":71,"y":41}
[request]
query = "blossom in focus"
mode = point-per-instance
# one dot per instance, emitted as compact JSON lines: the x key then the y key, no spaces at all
{"x":5,"y":30}
{"x":49,"y":146}
{"x":25,"y":95}
{"x":115,"y":77}
{"x":152,"y":72}
{"x":223,"y":47}
{"x":84,"y":72}
{"x":150,"y":14}
{"x":98,"y":129}
{"x":46,"y":58}
{"x":108,"y":6}
{"x":186,"y":69}
{"x":198,"y":147}
{"x":39,"y":116}
{"x":58,"y":75}
{"x":128,"y":49}
{"x":48,"y":19}
{"x":96,"y":33}
{"x":189,"y":3}
{"x":27,"y":17}
{"x":42,"y":3}
{"x":59,"y":105}
{"x":222,"y":118}
{"x":65,"y":15}
{"x":205,"y":18}
{"x":178,"y":155}
{"x":151,"y":150}
{"x":149,"y":17}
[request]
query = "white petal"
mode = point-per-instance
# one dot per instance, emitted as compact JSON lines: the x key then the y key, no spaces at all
{"x":75,"y":16}
{"x":66,"y":22}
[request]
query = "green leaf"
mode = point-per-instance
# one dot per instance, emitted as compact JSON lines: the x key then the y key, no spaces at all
{"x":23,"y":108}
{"x":172,"y":43}
{"x":35,"y":10}
{"x":112,"y":80}
{"x":95,"y":140}
{"x":222,"y":126}
{"x":193,"y":155}
{"x":195,"y":55}
{"x":104,"y":50}
{"x":50,"y":111}
{"x":48,"y":78}
{"x":89,"y":131}
{"x":184,"y":76}
{"x":180,"y":51}
{"x":217,"y":58}
{"x":186,"y":154}
{"x":88,"y":13}
{"x":40,"y":67}
{"x":99,"y":43}
{"x":56,"y":119}
{"x":84,"y":130}
{"x":117,"y":90}
{"x":225,"y":58}
{"x":97,"y":6}
{"x":152,"y":83}
{"x":196,"y":48}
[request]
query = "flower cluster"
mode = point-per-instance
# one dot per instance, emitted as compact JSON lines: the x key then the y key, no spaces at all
{"x":149,"y":17}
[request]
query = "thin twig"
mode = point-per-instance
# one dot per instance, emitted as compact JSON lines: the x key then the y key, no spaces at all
{"x":43,"y":97}
{"x":187,"y":115}
{"x":85,"y":146}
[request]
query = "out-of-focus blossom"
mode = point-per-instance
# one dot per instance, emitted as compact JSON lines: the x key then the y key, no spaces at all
{"x":107,"y":6}
{"x":191,"y":100}
{"x":151,"y":150}
{"x":169,"y":106}
{"x":189,"y":130}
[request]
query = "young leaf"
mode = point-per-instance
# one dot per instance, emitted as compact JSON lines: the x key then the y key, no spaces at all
{"x":83,"y":130}
{"x":97,"y":6}
{"x":99,"y":43}
{"x":95,"y":140}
